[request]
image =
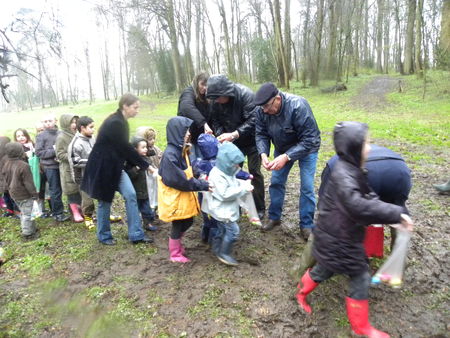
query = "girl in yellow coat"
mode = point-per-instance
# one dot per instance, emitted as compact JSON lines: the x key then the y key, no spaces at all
{"x":177,"y":200}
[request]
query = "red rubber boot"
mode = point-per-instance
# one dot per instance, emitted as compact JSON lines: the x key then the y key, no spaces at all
{"x":358,"y":316}
{"x":307,"y":285}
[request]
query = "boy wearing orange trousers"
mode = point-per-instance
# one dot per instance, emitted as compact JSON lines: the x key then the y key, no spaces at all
{"x":346,"y":207}
{"x":177,"y":200}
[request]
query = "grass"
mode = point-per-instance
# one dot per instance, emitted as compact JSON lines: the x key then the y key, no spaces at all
{"x":418,"y":128}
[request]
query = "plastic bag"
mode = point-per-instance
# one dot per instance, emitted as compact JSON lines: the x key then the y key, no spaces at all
{"x":33,"y":161}
{"x":152,"y":187}
{"x":247,"y":203}
{"x":36,"y":212}
{"x":391,"y":272}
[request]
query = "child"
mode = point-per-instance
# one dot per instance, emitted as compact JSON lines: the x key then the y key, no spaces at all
{"x":9,"y":204}
{"x":68,"y":124}
{"x":22,"y":136}
{"x":154,"y":158}
{"x":223,"y":202}
{"x":45,"y":150}
{"x":208,"y":146}
{"x":18,"y":181}
{"x":79,"y":149}
{"x":138,"y":177}
{"x":177,"y":201}
{"x":346,"y":207}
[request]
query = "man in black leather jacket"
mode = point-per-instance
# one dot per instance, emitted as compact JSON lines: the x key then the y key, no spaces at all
{"x":233,"y":120}
{"x":287,"y":121}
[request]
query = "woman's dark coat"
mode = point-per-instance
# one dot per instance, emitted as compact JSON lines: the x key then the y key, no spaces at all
{"x":347,"y":206}
{"x":107,"y":159}
{"x":196,"y":109}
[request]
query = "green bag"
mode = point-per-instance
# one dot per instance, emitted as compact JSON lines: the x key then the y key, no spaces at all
{"x":33,"y":161}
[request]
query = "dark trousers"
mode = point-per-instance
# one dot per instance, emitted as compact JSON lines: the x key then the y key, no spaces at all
{"x":74,"y":198}
{"x":11,"y":206}
{"x":254,"y":168}
{"x":359,"y":284}
{"x":180,"y":226}
{"x":54,"y":183}
{"x":147,"y":213}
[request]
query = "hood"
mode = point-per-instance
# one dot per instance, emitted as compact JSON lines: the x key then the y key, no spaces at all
{"x":136,"y":139}
{"x":228,"y":156}
{"x":348,"y":138}
{"x":64,"y":122}
{"x":14,"y":150}
{"x":4,"y":140}
{"x":219,"y":85}
{"x":176,"y":130}
{"x":208,"y":145}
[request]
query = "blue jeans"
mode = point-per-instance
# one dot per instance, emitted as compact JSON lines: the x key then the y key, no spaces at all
{"x":228,"y":231}
{"x":307,"y":202}
{"x":147,"y":213}
{"x":135,"y":230}
{"x":54,"y":184}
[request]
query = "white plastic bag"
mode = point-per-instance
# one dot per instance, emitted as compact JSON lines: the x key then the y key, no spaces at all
{"x":247,"y":203}
{"x":391,"y":272}
{"x":36,"y":212}
{"x":152,"y":187}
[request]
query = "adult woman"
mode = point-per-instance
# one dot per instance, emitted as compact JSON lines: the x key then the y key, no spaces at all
{"x":193,"y":105}
{"x":104,"y":173}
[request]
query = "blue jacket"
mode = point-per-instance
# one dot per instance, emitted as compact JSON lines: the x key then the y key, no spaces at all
{"x":173,"y":164}
{"x":293,"y":130}
{"x":387,"y":174}
{"x":209,"y":146}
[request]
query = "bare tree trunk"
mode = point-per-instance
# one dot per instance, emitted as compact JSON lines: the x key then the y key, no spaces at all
{"x":88,"y":68}
{"x":306,"y":46}
{"x":386,"y":48}
{"x":409,"y":46}
{"x":398,"y":36}
{"x":172,"y":31}
{"x":229,"y":55}
{"x":418,"y":47}
{"x":287,"y":37}
{"x":198,"y":26}
{"x":216,"y":58}
{"x":380,"y":4}
{"x":283,"y":71}
{"x":318,"y":44}
{"x":333,"y":26}
{"x":366,"y":34}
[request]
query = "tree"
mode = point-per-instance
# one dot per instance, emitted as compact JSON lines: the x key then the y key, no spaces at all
{"x":409,"y":45}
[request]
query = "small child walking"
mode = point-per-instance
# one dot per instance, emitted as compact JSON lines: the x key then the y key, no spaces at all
{"x":223,"y":201}
{"x":177,"y":200}
{"x":18,"y":180}
{"x":79,"y":149}
{"x":346,"y":207}
{"x":138,"y":177}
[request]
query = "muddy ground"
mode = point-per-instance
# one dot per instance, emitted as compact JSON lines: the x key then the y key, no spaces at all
{"x":205,"y":298}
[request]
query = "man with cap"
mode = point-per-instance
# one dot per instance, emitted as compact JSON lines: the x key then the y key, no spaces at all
{"x":233,"y":120}
{"x":287,"y":121}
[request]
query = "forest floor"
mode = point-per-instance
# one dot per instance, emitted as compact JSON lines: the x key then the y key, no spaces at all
{"x":86,"y":289}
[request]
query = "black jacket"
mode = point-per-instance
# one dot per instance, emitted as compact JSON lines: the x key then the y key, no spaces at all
{"x":173,"y":164}
{"x":347,"y":206}
{"x":238,"y":114}
{"x":107,"y":158}
{"x":45,"y":148}
{"x":196,"y":110}
{"x":293,"y":130}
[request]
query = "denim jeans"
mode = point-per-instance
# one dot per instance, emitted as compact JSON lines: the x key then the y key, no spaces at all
{"x":147,"y":213}
{"x":228,"y":231}
{"x":359,"y":284}
{"x":135,"y":230}
{"x":54,"y":184}
{"x":307,"y":202}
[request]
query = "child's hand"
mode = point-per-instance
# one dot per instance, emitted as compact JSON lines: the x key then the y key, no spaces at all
{"x":250,"y":177}
{"x":407,"y":222}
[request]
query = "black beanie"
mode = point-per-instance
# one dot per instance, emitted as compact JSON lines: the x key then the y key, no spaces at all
{"x":267,"y":91}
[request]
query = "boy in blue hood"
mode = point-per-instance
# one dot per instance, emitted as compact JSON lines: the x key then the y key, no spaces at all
{"x":223,"y":202}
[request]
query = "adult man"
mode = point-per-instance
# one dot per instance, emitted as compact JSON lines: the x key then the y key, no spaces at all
{"x":287,"y":121}
{"x":45,"y":150}
{"x":233,"y":120}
